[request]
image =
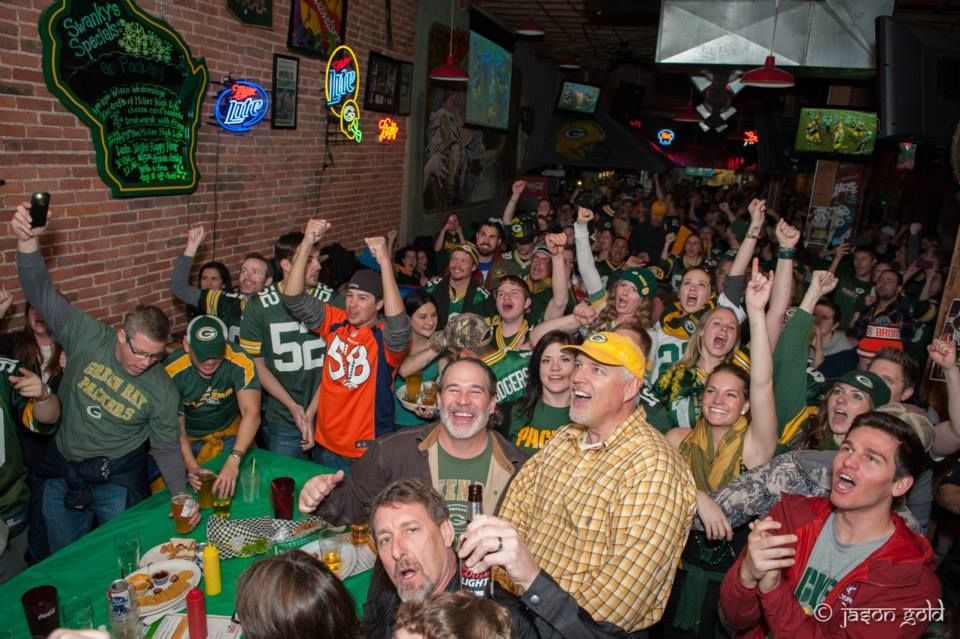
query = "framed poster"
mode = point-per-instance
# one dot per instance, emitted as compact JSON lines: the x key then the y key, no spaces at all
{"x":253,"y":13}
{"x":381,"y":94}
{"x":286,"y":78}
{"x":404,"y":87}
{"x":317,"y":27}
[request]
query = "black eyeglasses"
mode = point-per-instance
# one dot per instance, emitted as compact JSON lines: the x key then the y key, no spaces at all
{"x":153,"y":357}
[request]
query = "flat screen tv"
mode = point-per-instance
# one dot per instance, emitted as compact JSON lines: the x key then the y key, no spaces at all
{"x":578,"y":99}
{"x":830,"y":131}
{"x":490,"y":67}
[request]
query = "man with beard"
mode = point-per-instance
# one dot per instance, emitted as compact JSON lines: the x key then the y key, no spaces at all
{"x":255,"y":274}
{"x":458,"y":292}
{"x":487,"y":241}
{"x":415,"y":538}
{"x":288,"y":357}
{"x":890,"y":310}
{"x":813,"y":561}
{"x":461,"y":449}
{"x":605,"y":507}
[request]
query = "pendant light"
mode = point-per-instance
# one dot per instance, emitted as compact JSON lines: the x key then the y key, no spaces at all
{"x":449,"y":71}
{"x":769,"y":76}
{"x":530,"y":29}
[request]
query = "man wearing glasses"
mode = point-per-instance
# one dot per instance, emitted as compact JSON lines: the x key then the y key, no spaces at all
{"x":113,"y":401}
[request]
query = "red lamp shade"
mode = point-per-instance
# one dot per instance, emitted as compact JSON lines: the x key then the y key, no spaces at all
{"x":449,"y":72}
{"x":569,"y":63}
{"x":768,"y":76}
{"x":530,"y":29}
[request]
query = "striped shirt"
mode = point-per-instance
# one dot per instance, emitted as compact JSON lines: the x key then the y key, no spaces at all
{"x":607,"y":521}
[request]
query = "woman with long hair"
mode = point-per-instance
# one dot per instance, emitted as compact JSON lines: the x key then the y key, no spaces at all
{"x":716,"y":341}
{"x":294,"y":596}
{"x":545,"y":405}
{"x":422,"y":363}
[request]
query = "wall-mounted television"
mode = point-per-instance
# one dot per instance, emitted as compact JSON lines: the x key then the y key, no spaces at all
{"x":490,"y":67}
{"x":578,"y":99}
{"x":830,"y":131}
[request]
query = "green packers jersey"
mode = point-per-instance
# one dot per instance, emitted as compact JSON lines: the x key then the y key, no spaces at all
{"x":539,"y":302}
{"x":657,"y":414}
{"x":512,"y":370}
{"x":209,"y":405}
{"x":227,"y":306}
{"x":291,"y":351}
{"x":482,"y":301}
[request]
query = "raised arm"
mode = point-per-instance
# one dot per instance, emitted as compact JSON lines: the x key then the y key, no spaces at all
{"x":511,"y":207}
{"x":303,"y":306}
{"x":34,"y":277}
{"x":583,"y":315}
{"x":585,"y":264}
{"x":758,"y":210}
{"x":842,"y":250}
{"x":760,"y":441}
{"x":396,"y":334}
{"x":787,"y":239}
{"x":943,"y":351}
{"x":452,"y":225}
{"x":559,"y":277}
{"x":180,"y":279}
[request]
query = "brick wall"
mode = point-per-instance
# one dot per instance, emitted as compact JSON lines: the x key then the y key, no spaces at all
{"x":106,"y":254}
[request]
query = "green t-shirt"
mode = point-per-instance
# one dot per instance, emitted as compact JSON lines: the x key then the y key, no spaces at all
{"x":104,"y":409}
{"x":657,"y":414}
{"x":290,"y":350}
{"x":454,"y":479}
{"x":227,"y":306}
{"x":540,"y":301}
{"x":483,"y":304}
{"x":209,"y":405}
{"x":850,"y":295}
{"x":533,"y":434}
{"x":512,"y":371}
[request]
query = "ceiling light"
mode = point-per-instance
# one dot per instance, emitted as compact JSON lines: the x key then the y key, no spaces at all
{"x":449,"y":71}
{"x":704,"y":126}
{"x":704,"y":111}
{"x":721,"y":128}
{"x":570,"y":63}
{"x":769,"y":76}
{"x":729,"y":113}
{"x":530,"y":28}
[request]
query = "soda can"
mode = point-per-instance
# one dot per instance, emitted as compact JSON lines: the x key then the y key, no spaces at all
{"x":122,"y":609}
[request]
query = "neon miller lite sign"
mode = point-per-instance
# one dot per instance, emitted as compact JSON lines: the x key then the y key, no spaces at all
{"x":341,"y":89}
{"x":240,"y":107}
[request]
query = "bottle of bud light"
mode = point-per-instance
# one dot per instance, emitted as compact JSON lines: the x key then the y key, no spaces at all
{"x":479,"y":584}
{"x":122,"y":610}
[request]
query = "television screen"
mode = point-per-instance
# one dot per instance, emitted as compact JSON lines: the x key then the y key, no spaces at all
{"x":578,"y":98}
{"x":488,"y":90}
{"x":836,"y":132}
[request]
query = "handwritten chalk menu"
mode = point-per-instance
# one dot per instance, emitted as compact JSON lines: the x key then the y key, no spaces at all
{"x":130,"y":78}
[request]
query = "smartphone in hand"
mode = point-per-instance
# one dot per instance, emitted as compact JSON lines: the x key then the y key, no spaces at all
{"x":39,"y":203}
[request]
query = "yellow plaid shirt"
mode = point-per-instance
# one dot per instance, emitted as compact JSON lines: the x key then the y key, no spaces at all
{"x":607,"y":522}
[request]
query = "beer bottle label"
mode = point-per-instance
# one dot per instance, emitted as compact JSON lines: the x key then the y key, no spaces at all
{"x":476,"y":583}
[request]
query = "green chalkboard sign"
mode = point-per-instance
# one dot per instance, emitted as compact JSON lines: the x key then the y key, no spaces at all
{"x":130,"y":78}
{"x":254,"y":13}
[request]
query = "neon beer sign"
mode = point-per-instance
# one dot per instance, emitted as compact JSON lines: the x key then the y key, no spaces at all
{"x":665,"y":137}
{"x":388,"y":130}
{"x":241,"y":106}
{"x":341,"y":88}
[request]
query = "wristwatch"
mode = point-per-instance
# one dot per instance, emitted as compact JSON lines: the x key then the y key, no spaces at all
{"x":238,"y":453}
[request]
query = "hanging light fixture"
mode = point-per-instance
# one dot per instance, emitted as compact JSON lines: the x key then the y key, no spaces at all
{"x":530,"y":29}
{"x":569,"y":63}
{"x":449,"y":71}
{"x":769,"y":76}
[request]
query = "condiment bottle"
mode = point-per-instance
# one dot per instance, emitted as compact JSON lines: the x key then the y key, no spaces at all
{"x":196,"y":614}
{"x":211,"y":570}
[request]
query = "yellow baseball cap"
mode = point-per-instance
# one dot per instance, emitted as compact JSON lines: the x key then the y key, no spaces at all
{"x":614,"y":349}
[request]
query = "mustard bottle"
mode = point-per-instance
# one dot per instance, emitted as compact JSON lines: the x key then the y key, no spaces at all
{"x":211,"y":570}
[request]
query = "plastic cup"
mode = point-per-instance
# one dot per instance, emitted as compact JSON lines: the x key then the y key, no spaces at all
{"x":428,"y":394}
{"x":128,"y":552}
{"x":359,"y":534}
{"x":205,"y":496}
{"x":250,"y":484}
{"x":221,"y":507}
{"x":330,"y":553}
{"x":183,"y":506}
{"x":77,"y":613}
{"x":413,"y":382}
{"x":40,"y":607}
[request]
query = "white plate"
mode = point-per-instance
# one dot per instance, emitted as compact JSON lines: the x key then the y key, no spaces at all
{"x":348,"y":555}
{"x":412,"y":406}
{"x":172,"y":566}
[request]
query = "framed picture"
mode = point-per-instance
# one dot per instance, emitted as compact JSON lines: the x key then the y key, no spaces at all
{"x":317,"y":27}
{"x":286,"y":77}
{"x":404,"y":87}
{"x":381,"y":93}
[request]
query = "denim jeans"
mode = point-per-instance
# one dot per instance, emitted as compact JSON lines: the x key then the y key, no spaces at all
{"x":330,"y":459}
{"x":64,"y":525}
{"x":283,"y":440}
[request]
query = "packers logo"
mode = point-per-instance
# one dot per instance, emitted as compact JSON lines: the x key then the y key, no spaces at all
{"x":863,"y":379}
{"x":598,"y":338}
{"x":206,"y":334}
{"x":94,"y":411}
{"x":689,"y":325}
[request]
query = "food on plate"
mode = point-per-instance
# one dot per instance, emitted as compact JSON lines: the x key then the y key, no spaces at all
{"x":305,"y":527}
{"x":160,"y":578}
{"x":179,"y":583}
{"x":180,"y":548}
{"x":139,"y":581}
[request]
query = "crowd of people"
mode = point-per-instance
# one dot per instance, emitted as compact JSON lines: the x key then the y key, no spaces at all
{"x":687,"y":422}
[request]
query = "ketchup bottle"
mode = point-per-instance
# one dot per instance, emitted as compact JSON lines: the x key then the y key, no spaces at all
{"x":196,"y":614}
